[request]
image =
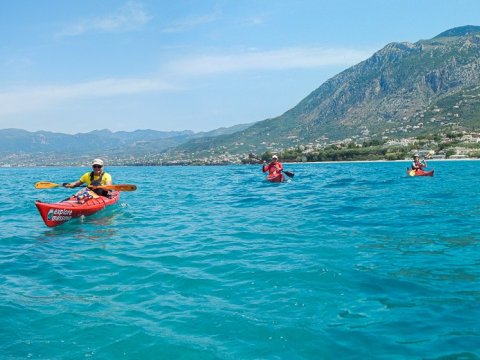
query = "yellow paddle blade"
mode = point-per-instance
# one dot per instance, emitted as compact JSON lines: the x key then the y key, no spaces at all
{"x":411,"y":173}
{"x":45,"y":185}
{"x":118,"y":187}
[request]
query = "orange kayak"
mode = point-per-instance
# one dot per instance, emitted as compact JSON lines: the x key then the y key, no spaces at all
{"x":54,"y":214}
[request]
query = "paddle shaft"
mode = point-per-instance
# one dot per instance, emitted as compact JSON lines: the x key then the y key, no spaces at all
{"x":117,"y":187}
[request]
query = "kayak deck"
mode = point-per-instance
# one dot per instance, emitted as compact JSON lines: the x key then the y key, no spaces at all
{"x":54,"y":214}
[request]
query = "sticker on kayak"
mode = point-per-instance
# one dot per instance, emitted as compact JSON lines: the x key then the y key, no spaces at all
{"x":59,"y":215}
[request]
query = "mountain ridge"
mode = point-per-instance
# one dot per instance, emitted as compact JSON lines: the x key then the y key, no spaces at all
{"x":460,"y":31}
{"x":381,"y":96}
{"x":104,"y":141}
{"x":403,"y":89}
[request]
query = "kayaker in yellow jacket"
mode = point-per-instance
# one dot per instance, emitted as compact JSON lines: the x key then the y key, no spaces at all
{"x":96,"y":177}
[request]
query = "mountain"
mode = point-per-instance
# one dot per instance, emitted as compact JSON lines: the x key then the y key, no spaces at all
{"x":402,"y":90}
{"x":17,"y":141}
{"x":44,"y":147}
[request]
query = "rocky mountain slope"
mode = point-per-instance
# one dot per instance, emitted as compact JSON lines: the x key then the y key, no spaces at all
{"x":403,"y":90}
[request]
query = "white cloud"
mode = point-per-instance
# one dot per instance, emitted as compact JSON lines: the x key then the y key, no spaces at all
{"x":22,"y":100}
{"x":34,"y":98}
{"x":129,"y":17}
{"x":290,"y":58}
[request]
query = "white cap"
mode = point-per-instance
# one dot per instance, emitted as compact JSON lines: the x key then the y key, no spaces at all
{"x":97,"y":162}
{"x":274,"y":157}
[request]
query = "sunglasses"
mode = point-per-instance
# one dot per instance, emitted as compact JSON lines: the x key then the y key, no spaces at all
{"x":97,"y":166}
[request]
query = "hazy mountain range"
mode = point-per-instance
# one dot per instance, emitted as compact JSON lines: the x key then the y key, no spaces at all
{"x":404,"y":89}
{"x":100,"y":141}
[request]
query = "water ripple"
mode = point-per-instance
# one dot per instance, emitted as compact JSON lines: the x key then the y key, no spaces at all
{"x":351,"y":260}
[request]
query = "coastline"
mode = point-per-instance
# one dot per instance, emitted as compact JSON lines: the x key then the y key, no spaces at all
{"x":375,"y":161}
{"x":196,"y":165}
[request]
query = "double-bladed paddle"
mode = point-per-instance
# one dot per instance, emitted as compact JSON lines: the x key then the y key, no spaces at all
{"x":288,"y":173}
{"x":117,"y":187}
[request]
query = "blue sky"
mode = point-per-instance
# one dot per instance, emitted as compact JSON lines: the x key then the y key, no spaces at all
{"x":77,"y":66}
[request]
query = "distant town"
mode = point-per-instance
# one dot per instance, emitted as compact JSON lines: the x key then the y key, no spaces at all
{"x":448,"y":145}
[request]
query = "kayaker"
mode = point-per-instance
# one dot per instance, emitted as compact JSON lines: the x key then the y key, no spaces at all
{"x":417,"y":164}
{"x":96,"y":177}
{"x":273,"y":166}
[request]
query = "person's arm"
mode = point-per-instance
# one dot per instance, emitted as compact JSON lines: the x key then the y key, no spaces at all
{"x":74,"y":184}
{"x":265,"y":166}
{"x":424,"y":163}
{"x":83,"y":179}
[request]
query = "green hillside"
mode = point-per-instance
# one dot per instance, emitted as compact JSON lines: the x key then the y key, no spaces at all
{"x":403,"y":89}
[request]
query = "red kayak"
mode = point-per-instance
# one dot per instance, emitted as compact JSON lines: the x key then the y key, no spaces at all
{"x":54,"y":214}
{"x":276,"y":177}
{"x":419,"y":172}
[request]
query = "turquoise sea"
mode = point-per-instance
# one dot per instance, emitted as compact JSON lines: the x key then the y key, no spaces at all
{"x":346,"y":261}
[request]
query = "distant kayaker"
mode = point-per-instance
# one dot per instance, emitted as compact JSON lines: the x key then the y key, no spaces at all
{"x":417,"y":164}
{"x":273,"y":166}
{"x":96,"y":177}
